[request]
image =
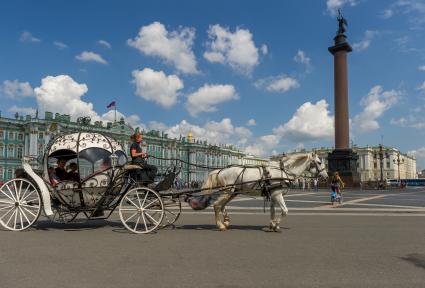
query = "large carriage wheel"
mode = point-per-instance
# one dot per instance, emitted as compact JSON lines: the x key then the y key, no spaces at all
{"x":20,"y":204}
{"x":172,"y":209}
{"x":141,"y":210}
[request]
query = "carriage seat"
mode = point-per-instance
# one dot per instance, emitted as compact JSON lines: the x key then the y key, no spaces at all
{"x":129,"y":167}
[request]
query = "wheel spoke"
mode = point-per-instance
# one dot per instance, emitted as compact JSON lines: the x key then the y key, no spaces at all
{"x":126,"y":197}
{"x":153,"y":210}
{"x":129,"y":209}
{"x":7,"y":195}
{"x":26,"y":218}
{"x":30,"y":206}
{"x":6,"y":207}
{"x":11,"y":193}
{"x":23,"y":207}
{"x":16,"y":216}
{"x":149,"y":216}
{"x":138,"y":198}
{"x":17,"y":192}
{"x":11,"y":216}
{"x":137,"y":222}
{"x":6,"y":202}
{"x":144,"y":221}
{"x":25,"y":192}
{"x":144,"y":200}
{"x":134,"y":214}
{"x":23,"y":199}
{"x":4,"y":215}
{"x":150,"y":203}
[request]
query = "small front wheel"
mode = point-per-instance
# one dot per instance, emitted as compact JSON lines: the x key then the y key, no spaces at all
{"x":20,"y":204}
{"x":141,"y":210}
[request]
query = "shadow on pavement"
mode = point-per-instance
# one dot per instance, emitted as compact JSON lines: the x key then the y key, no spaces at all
{"x":77,"y":226}
{"x":232,"y":227}
{"x":416,"y":259}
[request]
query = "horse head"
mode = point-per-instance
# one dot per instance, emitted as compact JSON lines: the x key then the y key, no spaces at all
{"x":316,"y":167}
{"x":298,"y":163}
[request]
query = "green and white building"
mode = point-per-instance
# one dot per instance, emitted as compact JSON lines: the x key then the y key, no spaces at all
{"x":27,"y":135}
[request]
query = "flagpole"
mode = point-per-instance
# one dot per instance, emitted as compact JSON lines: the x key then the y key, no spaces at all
{"x":115,"y":117}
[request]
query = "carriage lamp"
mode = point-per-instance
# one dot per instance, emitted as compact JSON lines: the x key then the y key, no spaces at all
{"x":114,"y":160}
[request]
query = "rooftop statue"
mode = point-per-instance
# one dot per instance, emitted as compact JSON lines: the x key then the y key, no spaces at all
{"x":342,"y":23}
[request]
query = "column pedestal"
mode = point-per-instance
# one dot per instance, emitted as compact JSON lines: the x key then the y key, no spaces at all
{"x":344,"y":161}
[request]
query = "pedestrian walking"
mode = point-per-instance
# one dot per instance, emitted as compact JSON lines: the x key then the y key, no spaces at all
{"x":315,"y":185}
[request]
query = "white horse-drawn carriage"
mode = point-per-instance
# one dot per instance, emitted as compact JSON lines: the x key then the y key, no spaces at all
{"x":104,"y":180}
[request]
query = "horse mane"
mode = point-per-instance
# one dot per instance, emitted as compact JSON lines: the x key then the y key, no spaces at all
{"x":295,"y":163}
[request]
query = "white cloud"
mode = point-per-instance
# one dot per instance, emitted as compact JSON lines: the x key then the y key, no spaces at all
{"x":133,"y":120}
{"x":279,"y":84}
{"x":236,"y":49}
{"x":302,"y":58}
{"x":208,"y":96}
{"x":63,"y":95}
{"x":387,"y":13}
{"x":366,"y":41}
{"x":15,"y":89}
{"x":105,"y":43}
{"x":223,"y":132}
{"x":28,"y":37}
{"x":87,"y":56}
{"x":60,"y":45}
{"x":422,"y":86}
{"x":309,"y":122}
{"x":173,"y":47}
{"x":251,"y":122}
{"x":263,"y":145}
{"x":375,"y":104}
{"x":421,"y":68}
{"x":333,"y":5}
{"x":419,"y":154}
{"x":264,"y":49}
{"x":22,"y":110}
{"x":157,"y":87}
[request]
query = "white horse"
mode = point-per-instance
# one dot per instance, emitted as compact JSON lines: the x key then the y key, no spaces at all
{"x":236,"y":178}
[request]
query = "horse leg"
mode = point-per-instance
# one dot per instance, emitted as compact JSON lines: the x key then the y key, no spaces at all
{"x":218,"y":208}
{"x":277,"y":198}
{"x":226,"y":218}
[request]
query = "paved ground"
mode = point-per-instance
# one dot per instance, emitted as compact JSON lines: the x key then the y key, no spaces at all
{"x":376,"y":239}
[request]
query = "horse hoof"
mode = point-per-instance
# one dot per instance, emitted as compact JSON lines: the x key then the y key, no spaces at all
{"x":277,"y":229}
{"x":226,"y":224}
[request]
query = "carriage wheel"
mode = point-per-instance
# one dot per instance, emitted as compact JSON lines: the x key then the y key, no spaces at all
{"x":20,"y":204}
{"x":141,"y":210}
{"x":172,"y":209}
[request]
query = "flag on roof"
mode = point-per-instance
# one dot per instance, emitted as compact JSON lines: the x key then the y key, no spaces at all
{"x":112,"y":105}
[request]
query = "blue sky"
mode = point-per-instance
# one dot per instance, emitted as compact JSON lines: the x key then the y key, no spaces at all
{"x":256,"y":74}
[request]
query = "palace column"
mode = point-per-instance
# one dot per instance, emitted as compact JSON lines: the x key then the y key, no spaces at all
{"x":342,"y":158}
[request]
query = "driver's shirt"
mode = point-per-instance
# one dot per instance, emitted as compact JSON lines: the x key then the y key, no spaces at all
{"x":138,"y":147}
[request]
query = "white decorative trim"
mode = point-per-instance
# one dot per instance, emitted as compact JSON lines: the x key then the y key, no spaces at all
{"x":44,"y":191}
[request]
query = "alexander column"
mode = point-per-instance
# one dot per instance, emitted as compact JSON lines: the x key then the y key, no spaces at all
{"x":342,"y":158}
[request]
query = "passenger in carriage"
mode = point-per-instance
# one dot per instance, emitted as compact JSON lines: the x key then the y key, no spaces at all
{"x":139,"y":157}
{"x":73,"y":174}
{"x":60,"y":171}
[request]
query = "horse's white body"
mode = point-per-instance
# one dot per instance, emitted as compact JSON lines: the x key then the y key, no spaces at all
{"x":289,"y":167}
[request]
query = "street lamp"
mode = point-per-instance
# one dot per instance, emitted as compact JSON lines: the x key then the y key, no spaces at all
{"x":398,"y":162}
{"x":381,"y":154}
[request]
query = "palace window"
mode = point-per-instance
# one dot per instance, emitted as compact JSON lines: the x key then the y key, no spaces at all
{"x":19,"y":152}
{"x":10,"y":151}
{"x":1,"y":134}
{"x":1,"y":151}
{"x":20,"y":136}
{"x":11,"y":135}
{"x":40,"y":135}
{"x":1,"y":174}
{"x":9,"y":174}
